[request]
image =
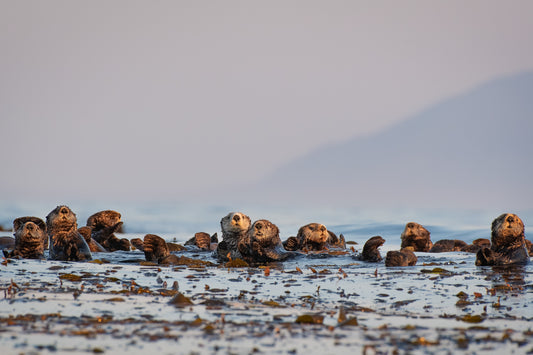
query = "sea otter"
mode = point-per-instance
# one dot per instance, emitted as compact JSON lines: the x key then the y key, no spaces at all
{"x":404,"y":257}
{"x":66,"y":243}
{"x":371,"y":251}
{"x":94,"y":246}
{"x":104,"y":225}
{"x":30,"y":238}
{"x":416,"y":237}
{"x":314,"y":237}
{"x":508,"y":244}
{"x":203,"y":241}
{"x":234,"y":227}
{"x":262,"y":243}
{"x":447,"y":245}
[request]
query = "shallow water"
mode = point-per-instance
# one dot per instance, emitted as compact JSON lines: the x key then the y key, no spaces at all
{"x":123,"y":304}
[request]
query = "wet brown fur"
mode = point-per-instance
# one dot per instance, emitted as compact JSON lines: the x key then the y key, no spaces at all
{"x":314,"y":237}
{"x":30,"y":238}
{"x":404,"y":257}
{"x":203,"y":241}
{"x":448,"y":245}
{"x":235,"y":226}
{"x":508,"y":243}
{"x":262,"y":243}
{"x":66,"y":243}
{"x":371,"y":251}
{"x":417,"y":237}
{"x":104,"y":225}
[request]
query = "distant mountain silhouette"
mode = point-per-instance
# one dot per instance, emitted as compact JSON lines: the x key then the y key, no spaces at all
{"x":474,"y":150}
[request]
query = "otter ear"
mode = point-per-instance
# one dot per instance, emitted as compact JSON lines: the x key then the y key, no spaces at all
{"x":17,"y":223}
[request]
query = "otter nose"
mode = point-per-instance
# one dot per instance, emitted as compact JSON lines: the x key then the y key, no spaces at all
{"x":322,"y":229}
{"x":63,"y":210}
{"x":236,"y":218}
{"x":410,"y":225}
{"x":510,"y":219}
{"x":258,"y":225}
{"x":30,"y":226}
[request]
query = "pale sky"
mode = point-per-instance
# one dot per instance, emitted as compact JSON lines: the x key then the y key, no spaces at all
{"x":163,"y":99}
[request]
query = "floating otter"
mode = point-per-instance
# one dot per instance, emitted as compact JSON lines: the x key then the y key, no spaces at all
{"x":417,"y":237}
{"x":30,"y":238}
{"x":371,"y":251}
{"x":234,"y":227}
{"x":508,"y":244}
{"x":447,"y":245}
{"x":104,"y":225}
{"x":203,"y":241}
{"x":262,"y":243}
{"x":314,"y":237}
{"x":476,"y":245}
{"x":137,"y":243}
{"x":156,"y":250}
{"x":66,"y":243}
{"x":404,"y":257}
{"x":94,"y":246}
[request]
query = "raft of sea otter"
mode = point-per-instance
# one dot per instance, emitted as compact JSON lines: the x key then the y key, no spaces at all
{"x":257,"y":242}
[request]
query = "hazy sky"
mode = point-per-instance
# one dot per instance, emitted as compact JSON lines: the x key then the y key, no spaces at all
{"x":161,"y":99}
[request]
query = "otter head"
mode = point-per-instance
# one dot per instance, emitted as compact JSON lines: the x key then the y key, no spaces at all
{"x":265,"y":233}
{"x":30,"y":230}
{"x":61,"y":219}
{"x":507,"y":230}
{"x":235,"y":222}
{"x":315,"y":234}
{"x":416,"y":236}
{"x":104,"y":219}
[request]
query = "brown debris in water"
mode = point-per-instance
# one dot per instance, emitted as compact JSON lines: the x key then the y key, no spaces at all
{"x":180,"y":300}
{"x":310,"y":319}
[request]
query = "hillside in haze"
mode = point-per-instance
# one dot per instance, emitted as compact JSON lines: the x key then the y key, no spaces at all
{"x":473,"y":150}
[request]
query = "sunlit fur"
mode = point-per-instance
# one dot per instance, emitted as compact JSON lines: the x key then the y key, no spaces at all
{"x":262,"y":243}
{"x":234,"y":227}
{"x":417,"y":237}
{"x":371,"y":249}
{"x":507,"y":231}
{"x":103,"y":225}
{"x":30,"y":238}
{"x":312,"y":236}
{"x":404,"y":257}
{"x":508,"y":244}
{"x":66,"y":243}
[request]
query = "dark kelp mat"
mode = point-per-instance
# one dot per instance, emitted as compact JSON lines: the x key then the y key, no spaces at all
{"x":314,"y":304}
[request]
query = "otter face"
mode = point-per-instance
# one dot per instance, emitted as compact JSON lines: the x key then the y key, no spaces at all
{"x":315,"y":233}
{"x":30,"y":231}
{"x":264,"y":232}
{"x":235,"y":222}
{"x":103,"y":219}
{"x":61,"y":219}
{"x":507,"y":229}
{"x":416,"y":236}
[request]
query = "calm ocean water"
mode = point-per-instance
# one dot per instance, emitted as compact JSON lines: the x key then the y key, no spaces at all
{"x":182,"y":220}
